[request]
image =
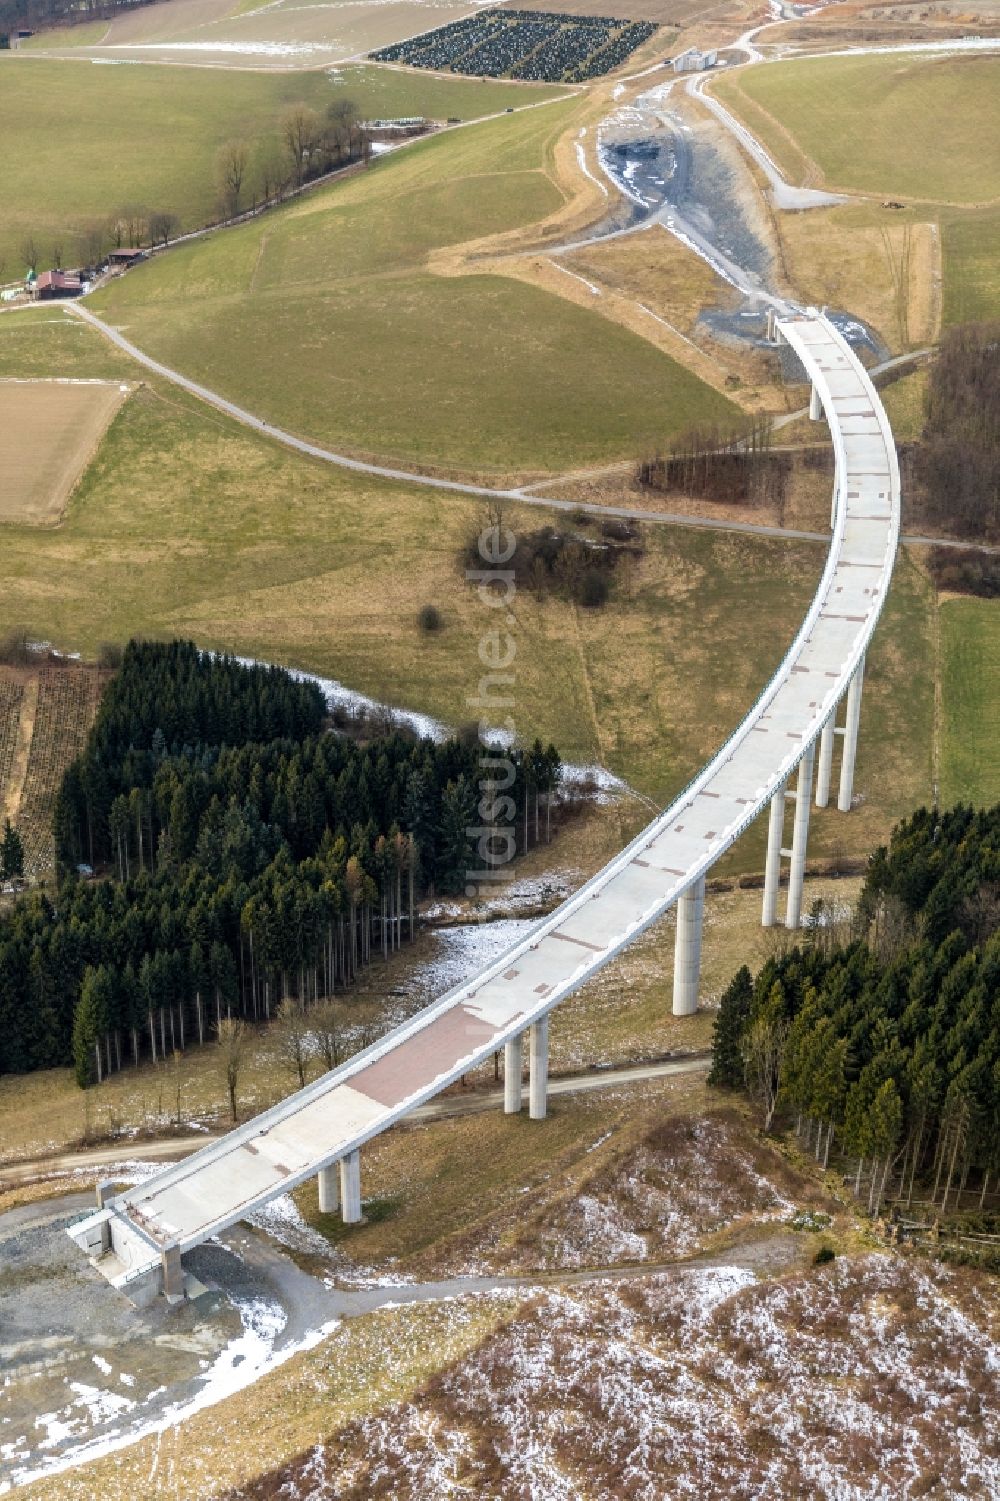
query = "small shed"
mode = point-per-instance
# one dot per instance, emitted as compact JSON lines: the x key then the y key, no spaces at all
{"x":57,"y":284}
{"x":125,"y":257}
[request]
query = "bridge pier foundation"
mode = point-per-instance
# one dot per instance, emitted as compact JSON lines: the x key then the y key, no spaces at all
{"x":772,"y":862}
{"x":329,"y":1189}
{"x":687,"y":948}
{"x":824,"y":767}
{"x":800,"y":835}
{"x":538,"y":1066}
{"x":850,"y":752}
{"x":350,"y":1187}
{"x":512,"y":1064}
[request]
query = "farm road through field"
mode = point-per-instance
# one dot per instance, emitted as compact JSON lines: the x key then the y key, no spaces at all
{"x":456,"y":487}
{"x":174,"y":1148}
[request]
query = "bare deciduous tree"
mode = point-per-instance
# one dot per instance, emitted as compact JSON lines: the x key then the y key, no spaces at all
{"x":231,"y":167}
{"x":234,"y":1045}
{"x":291,"y":1038}
{"x":270,"y":168}
{"x":327,"y":1021}
{"x":763,"y":1050}
{"x":161,"y":226}
{"x":301,"y":130}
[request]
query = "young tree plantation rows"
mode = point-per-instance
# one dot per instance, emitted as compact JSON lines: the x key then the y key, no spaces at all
{"x":11,"y":694}
{"x":889,"y":1044}
{"x":540,"y":46}
{"x":251,"y":856}
{"x":67,"y":698}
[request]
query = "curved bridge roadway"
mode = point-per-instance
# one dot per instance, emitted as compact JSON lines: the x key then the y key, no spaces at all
{"x":138,"y":1237}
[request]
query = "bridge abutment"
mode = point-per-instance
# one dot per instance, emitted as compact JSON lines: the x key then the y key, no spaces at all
{"x":173,"y":1273}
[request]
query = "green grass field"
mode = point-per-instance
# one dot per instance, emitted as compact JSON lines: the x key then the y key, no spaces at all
{"x":970,"y":749}
{"x":971,"y":266}
{"x":91,"y":140}
{"x":904,"y":401}
{"x":326,"y":318}
{"x":916,"y":126}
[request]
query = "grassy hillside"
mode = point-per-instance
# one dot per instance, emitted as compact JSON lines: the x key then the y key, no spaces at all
{"x":970,"y":645}
{"x":187,"y":524}
{"x":971,"y":266}
{"x":82,"y":142}
{"x":326,"y":318}
{"x":915,"y":126}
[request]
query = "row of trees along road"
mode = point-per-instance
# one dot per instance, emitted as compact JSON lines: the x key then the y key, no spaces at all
{"x":249,"y":856}
{"x":885,"y":1038}
{"x":250,"y":174}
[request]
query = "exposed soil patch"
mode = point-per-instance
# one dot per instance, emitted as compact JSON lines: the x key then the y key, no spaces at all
{"x":51,"y":431}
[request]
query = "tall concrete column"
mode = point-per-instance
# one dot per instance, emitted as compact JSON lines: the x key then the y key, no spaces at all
{"x":512,"y":1055}
{"x":851,"y":723}
{"x":687,"y":948}
{"x":173,"y":1273}
{"x":772,"y":863}
{"x":800,"y":834}
{"x":350,"y":1187}
{"x":329,"y":1189}
{"x":824,"y":766}
{"x":815,"y":405}
{"x":538,"y":1068}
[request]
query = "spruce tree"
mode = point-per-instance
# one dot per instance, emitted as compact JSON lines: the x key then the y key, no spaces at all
{"x":11,"y":853}
{"x":727,"y":1040}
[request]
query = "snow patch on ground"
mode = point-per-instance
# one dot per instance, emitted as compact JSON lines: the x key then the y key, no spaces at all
{"x":242,"y":1362}
{"x":686,"y":1181}
{"x":859,"y":1382}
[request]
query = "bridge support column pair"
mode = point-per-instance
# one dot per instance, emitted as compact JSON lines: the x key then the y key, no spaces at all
{"x":803,"y":795}
{"x":538,"y":1071}
{"x":849,"y":733}
{"x":340,"y":1185}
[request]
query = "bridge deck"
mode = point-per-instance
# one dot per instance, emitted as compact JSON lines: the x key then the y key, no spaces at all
{"x":338,"y":1113}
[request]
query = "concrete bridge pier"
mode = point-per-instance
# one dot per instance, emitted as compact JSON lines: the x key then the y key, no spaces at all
{"x":512,"y":1064}
{"x":852,"y":721}
{"x":772,"y":863}
{"x":329,"y":1189}
{"x":800,"y":835}
{"x":687,"y":948}
{"x":350,"y":1187}
{"x":824,"y":766}
{"x":815,"y":405}
{"x":538,"y":1068}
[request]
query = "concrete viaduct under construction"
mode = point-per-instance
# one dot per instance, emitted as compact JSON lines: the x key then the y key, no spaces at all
{"x":137,"y":1238}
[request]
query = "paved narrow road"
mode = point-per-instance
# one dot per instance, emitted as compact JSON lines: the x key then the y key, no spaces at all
{"x":173,"y":1148}
{"x":457,"y":487}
